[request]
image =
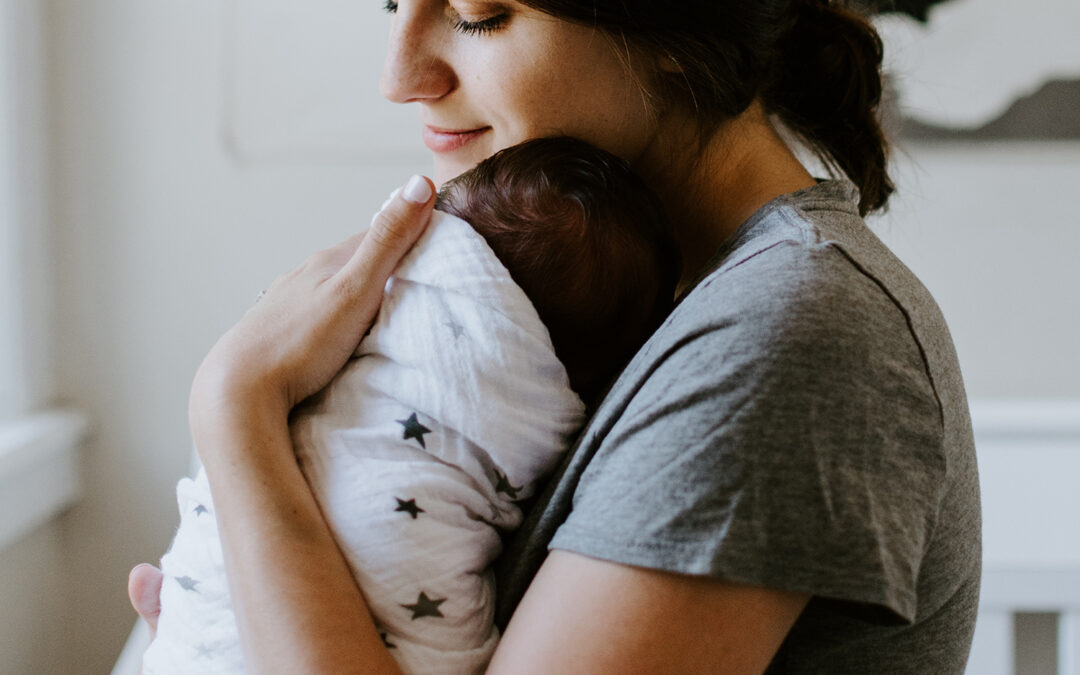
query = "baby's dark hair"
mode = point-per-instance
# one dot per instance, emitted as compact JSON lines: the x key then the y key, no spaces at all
{"x":587,"y":241}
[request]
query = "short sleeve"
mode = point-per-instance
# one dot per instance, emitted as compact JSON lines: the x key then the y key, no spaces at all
{"x":790,"y":440}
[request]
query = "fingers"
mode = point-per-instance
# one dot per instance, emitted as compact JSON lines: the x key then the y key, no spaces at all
{"x":393,"y":232}
{"x":144,"y":591}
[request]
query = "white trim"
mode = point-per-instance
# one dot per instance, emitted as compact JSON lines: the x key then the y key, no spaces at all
{"x":130,"y":660}
{"x":1069,"y":643}
{"x":992,"y":649}
{"x":39,"y":470}
{"x":1030,"y":590}
{"x":11,"y":306}
{"x":1029,"y":459}
{"x":993,"y":418}
{"x":39,"y":473}
{"x":26,"y":378}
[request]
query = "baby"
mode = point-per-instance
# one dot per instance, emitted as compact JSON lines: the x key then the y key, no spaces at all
{"x":460,"y":398}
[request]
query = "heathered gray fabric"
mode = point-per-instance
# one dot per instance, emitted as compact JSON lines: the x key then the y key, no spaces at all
{"x":799,"y":422}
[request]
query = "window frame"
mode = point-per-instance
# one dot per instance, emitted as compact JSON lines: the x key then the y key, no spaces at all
{"x":39,"y":444}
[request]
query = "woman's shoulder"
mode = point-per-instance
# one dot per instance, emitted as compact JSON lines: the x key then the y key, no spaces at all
{"x":799,"y":265}
{"x":804,"y":293}
{"x":808,"y":267}
{"x":804,"y":307}
{"x":798,"y":245}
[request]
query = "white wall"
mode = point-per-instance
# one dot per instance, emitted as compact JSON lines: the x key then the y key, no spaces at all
{"x":163,"y":237}
{"x":33,"y":622}
{"x":993,"y":232}
{"x":164,"y":234}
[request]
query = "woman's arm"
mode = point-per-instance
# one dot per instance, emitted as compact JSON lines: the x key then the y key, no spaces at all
{"x":583,"y":615}
{"x":296,"y":603}
{"x":297,"y":606}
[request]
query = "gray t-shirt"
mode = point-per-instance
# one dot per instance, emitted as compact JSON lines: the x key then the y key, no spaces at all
{"x":799,"y":422}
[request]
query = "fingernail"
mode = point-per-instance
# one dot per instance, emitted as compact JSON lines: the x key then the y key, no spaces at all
{"x":417,"y":190}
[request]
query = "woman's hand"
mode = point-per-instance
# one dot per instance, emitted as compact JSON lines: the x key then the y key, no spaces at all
{"x":309,"y":321}
{"x":285,"y":348}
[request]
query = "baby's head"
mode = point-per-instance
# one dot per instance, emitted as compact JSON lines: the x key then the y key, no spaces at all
{"x":586,"y":240}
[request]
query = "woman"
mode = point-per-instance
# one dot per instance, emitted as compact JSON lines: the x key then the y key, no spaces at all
{"x":783,"y":477}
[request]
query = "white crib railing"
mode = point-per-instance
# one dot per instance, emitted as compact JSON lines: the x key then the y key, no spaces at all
{"x":1029,"y":466}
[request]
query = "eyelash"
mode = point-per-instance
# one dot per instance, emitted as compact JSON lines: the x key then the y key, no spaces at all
{"x":489,"y":25}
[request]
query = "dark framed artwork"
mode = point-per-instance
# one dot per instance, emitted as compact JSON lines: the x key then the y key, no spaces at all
{"x":982,"y":70}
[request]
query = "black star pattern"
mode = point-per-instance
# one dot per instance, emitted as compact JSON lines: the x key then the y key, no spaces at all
{"x":200,"y":510}
{"x":409,"y":507}
{"x":503,"y":485}
{"x":456,"y":328}
{"x":386,"y":642}
{"x":425,"y":606}
{"x":187,"y":583}
{"x":413,"y":429}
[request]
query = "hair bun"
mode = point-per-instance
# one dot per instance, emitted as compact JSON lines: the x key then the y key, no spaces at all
{"x":827,"y":87}
{"x":839,"y":44}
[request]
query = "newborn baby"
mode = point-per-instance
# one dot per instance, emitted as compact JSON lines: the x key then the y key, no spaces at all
{"x":460,"y":398}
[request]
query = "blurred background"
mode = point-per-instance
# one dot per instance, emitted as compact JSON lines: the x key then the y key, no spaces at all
{"x":160,"y":162}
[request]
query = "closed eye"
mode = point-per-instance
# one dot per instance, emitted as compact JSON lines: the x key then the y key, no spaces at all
{"x":488,"y":25}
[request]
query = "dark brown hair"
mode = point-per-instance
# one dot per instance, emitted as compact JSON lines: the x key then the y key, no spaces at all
{"x":814,"y":63}
{"x":587,"y":241}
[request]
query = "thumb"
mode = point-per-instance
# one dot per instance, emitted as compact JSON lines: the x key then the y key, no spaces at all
{"x":393,"y":232}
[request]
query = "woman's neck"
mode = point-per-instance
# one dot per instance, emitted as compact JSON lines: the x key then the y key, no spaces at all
{"x":745,"y":165}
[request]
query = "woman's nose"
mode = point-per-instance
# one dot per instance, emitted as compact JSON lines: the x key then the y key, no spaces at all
{"x":415,"y":69}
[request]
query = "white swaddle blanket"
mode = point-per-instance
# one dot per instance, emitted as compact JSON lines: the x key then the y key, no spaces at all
{"x":416,"y":452}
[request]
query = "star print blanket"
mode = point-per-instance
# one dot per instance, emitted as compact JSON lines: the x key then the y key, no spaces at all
{"x":453,"y":408}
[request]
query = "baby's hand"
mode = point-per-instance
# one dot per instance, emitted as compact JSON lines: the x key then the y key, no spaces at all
{"x":144,"y":591}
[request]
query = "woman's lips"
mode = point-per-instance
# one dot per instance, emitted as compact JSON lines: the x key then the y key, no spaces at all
{"x":446,"y":140}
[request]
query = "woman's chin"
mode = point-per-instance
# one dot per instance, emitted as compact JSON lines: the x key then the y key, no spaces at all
{"x":450,"y":165}
{"x":448,"y":170}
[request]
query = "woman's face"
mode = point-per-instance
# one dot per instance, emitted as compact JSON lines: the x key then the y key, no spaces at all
{"x":488,"y":75}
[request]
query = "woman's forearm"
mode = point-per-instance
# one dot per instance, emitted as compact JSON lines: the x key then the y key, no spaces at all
{"x":297,"y":605}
